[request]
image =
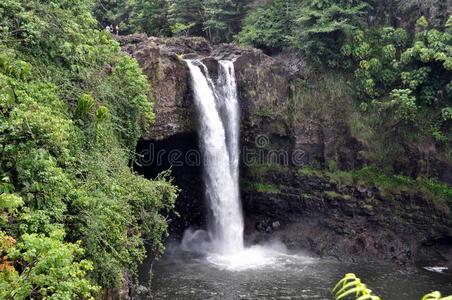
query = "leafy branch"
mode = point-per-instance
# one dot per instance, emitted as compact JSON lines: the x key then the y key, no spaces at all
{"x":351,"y":285}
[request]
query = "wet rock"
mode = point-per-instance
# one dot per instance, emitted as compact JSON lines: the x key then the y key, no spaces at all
{"x":293,"y":60}
{"x":267,"y":226}
{"x":371,"y":227}
{"x":142,"y":292}
{"x":212,"y":65}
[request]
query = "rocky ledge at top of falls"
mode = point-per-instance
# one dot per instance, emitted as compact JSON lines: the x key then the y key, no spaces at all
{"x":263,"y":82}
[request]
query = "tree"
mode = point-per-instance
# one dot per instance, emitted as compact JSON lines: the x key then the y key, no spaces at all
{"x":71,"y":110}
{"x":179,"y":28}
{"x":187,"y":12}
{"x":217,"y":20}
{"x":322,"y":25}
{"x":48,"y":268}
{"x":134,"y":16}
{"x":316,"y":27}
{"x":268,"y":27}
{"x":222,"y":17}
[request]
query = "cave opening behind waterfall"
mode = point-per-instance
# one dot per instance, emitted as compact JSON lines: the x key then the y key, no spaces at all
{"x":179,"y":154}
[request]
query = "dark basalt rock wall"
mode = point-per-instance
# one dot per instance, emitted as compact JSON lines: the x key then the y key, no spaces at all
{"x":349,"y":222}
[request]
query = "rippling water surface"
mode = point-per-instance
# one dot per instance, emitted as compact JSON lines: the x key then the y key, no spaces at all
{"x":286,"y":276}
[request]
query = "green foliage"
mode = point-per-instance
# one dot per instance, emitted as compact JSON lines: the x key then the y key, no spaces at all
{"x":449,"y":22}
{"x":102,"y":114}
{"x":134,"y":16}
{"x":435,"y":296}
{"x":84,"y":106}
{"x":321,"y":26}
{"x":71,"y":110}
{"x":129,"y":83}
{"x":446,"y":113}
{"x":265,"y":113}
{"x":49,"y":268}
{"x":430,"y":188}
{"x":315,"y":27}
{"x":179,"y":28}
{"x":260,"y":187}
{"x":351,"y":287}
{"x":406,"y":104}
{"x":387,"y":183}
{"x":62,"y":35}
{"x":10,"y":201}
{"x":422,"y":22}
{"x":9,"y":204}
{"x":268,"y":27}
{"x":336,"y":195}
{"x":386,"y":58}
{"x":404,"y":79}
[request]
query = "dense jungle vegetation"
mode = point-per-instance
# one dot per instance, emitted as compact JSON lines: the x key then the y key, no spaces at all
{"x":74,"y":215}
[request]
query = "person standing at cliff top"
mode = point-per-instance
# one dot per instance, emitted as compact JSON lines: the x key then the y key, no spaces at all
{"x":117,"y":29}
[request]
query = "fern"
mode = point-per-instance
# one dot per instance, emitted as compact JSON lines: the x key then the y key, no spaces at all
{"x":352,"y":285}
{"x":435,"y":296}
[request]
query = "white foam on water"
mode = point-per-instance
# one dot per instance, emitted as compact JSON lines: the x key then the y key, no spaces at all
{"x":271,"y":255}
{"x":436,"y":269}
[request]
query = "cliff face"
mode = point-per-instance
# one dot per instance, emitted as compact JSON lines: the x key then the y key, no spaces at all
{"x":168,"y":75}
{"x":345,"y":221}
{"x":263,"y":82}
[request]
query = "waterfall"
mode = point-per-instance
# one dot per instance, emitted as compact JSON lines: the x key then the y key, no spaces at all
{"x":218,"y":113}
{"x":217,"y":106}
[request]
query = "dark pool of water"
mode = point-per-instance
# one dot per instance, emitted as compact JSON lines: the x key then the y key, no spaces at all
{"x":185,"y":276}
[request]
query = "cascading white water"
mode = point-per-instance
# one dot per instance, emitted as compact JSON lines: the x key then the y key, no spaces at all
{"x":229,"y":107}
{"x":218,"y":113}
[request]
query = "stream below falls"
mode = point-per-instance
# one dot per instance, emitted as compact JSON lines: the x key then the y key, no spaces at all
{"x":183,"y":275}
